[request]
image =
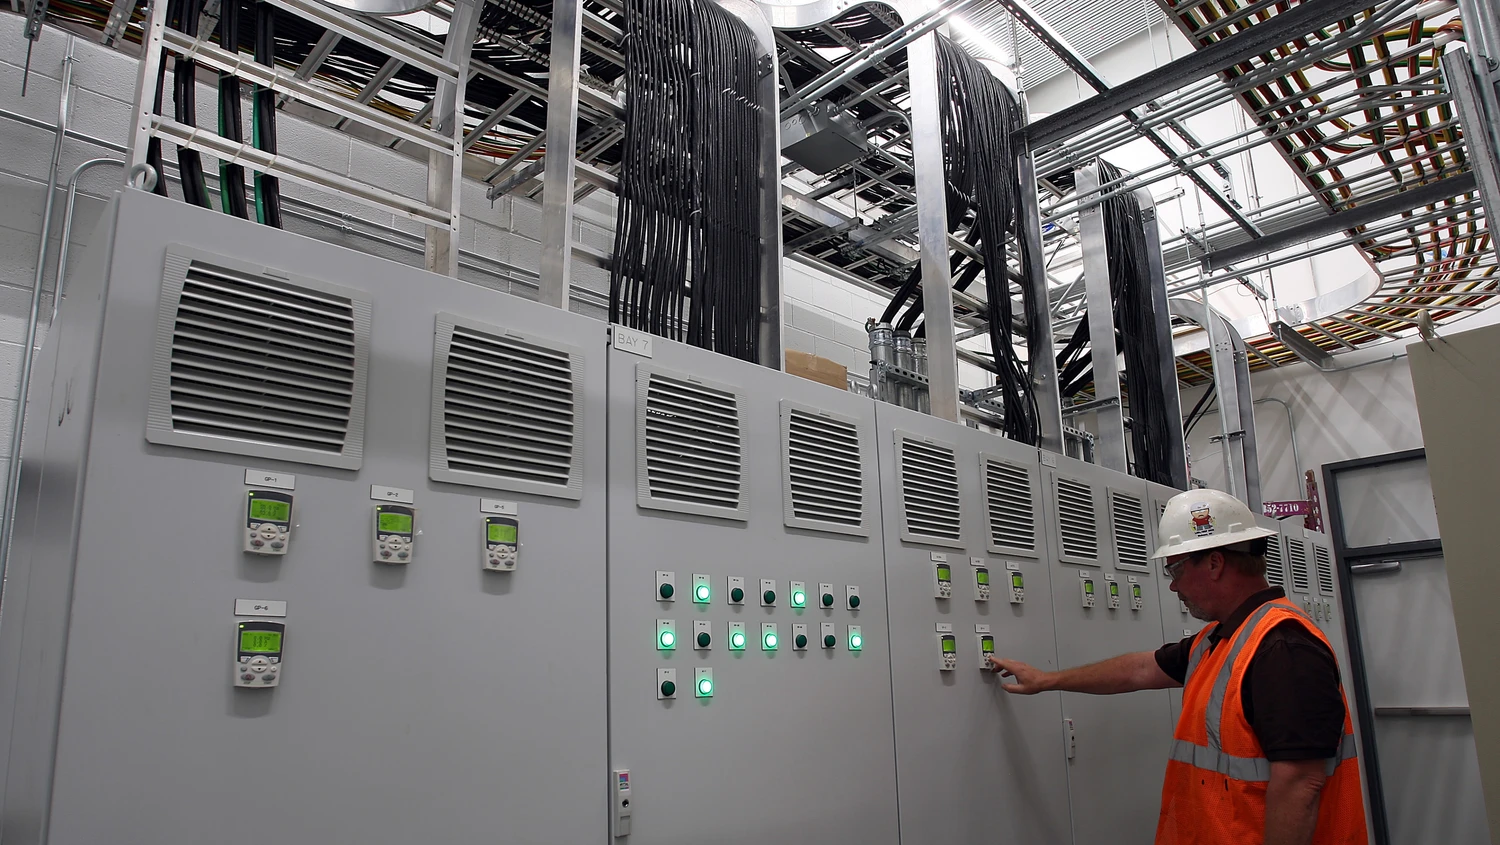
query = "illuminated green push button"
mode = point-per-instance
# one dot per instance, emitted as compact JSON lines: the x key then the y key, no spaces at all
{"x":665,"y":590}
{"x":830,"y":641}
{"x":770,"y":640}
{"x":854,"y":601}
{"x":769,"y":597}
{"x":828,"y":599}
{"x":737,"y":639}
{"x":705,"y":687}
{"x":737,"y":595}
{"x":701,"y":592}
{"x":801,"y":641}
{"x":856,"y":642}
{"x":667,"y":639}
{"x":799,"y":598}
{"x":704,"y":639}
{"x":668,"y":689}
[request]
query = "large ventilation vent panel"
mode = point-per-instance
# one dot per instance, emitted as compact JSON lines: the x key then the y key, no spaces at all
{"x":689,"y":445}
{"x":1009,"y":506}
{"x":1127,"y":514}
{"x":1296,"y":553}
{"x":254,"y":362}
{"x":928,"y":472}
{"x":1324,"y":564}
{"x":1275,"y":566}
{"x":1077,"y":521}
{"x":505,"y":410}
{"x":823,"y":476}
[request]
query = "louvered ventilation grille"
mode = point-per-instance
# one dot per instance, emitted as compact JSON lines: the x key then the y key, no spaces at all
{"x":823,"y":469}
{"x":257,"y":360}
{"x":1129,"y":517}
{"x":508,"y":409}
{"x":1076,"y":519}
{"x":929,"y":490}
{"x":1324,"y":563}
{"x":1296,"y":554}
{"x":1275,"y":567}
{"x":692,"y":444}
{"x":1012,"y":517}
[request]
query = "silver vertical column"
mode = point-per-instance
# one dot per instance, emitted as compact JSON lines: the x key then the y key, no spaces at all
{"x":1231,"y":366}
{"x":932,"y":227}
{"x":559,"y":165}
{"x":1041,"y":354}
{"x":1176,"y":444}
{"x":1478,"y":107}
{"x":445,"y":170}
{"x":1110,"y":416}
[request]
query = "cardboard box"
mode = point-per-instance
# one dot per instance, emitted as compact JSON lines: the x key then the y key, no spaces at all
{"x":818,"y":369}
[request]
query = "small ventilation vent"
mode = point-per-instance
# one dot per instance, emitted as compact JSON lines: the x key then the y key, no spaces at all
{"x":1077,"y":520}
{"x":929,"y":491}
{"x":824,"y":472}
{"x":1275,"y":566}
{"x":253,"y":362}
{"x":689,"y":451}
{"x":1296,"y":553}
{"x":1324,"y":563}
{"x":505,"y":412}
{"x":1009,"y":506}
{"x":1128,"y":516}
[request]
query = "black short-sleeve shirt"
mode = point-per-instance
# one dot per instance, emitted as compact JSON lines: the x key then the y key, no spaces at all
{"x":1291,"y":694}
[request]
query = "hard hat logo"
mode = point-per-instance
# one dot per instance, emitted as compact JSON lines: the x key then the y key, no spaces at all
{"x":1203,"y":520}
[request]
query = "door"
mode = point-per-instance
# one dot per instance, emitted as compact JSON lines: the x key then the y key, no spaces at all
{"x":1422,"y":771}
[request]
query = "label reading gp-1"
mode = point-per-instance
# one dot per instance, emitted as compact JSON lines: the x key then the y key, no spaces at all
{"x":278,"y":480}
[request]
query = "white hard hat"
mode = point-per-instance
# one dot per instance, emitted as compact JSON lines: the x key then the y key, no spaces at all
{"x":1205,"y":519}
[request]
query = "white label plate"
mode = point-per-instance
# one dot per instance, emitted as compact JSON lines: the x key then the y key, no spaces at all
{"x":1049,"y":459}
{"x":944,"y":627}
{"x":392,"y":494}
{"x":1109,"y":576}
{"x":279,"y":480}
{"x":632,"y":341}
{"x":978,"y":561}
{"x":259,"y":607}
{"x":939,"y":557}
{"x":1012,"y":566}
{"x":981,"y":629}
{"x":496,"y":506}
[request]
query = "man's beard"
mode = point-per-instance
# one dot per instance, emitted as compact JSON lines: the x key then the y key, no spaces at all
{"x":1197,"y":612}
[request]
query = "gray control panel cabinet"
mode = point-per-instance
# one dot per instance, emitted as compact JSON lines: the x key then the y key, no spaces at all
{"x":1099,"y":520}
{"x":432,"y":702}
{"x":1176,"y":622}
{"x":977,"y":765}
{"x":794,"y":746}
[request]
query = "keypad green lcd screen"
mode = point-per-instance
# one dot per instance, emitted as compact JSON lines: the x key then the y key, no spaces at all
{"x":987,"y":643}
{"x":950,"y":645}
{"x":502,"y":533}
{"x":260,"y":641}
{"x":270,"y":510}
{"x":1088,"y":587}
{"x":982,"y":576}
{"x":945,"y":573}
{"x":400,"y":523}
{"x":1015,"y":580}
{"x":1135,"y":590}
{"x":1114,"y":589}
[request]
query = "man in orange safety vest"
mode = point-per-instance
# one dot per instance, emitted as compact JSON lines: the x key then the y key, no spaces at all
{"x":1264,"y":750}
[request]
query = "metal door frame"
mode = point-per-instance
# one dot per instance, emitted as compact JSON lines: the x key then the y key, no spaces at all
{"x":1345,"y":558}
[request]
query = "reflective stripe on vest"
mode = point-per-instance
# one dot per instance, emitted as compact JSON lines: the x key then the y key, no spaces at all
{"x":1212,"y":756}
{"x":1251,"y":769}
{"x":1200,"y":648}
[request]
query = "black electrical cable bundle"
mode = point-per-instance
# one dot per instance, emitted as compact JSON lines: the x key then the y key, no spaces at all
{"x":231,"y":176}
{"x":981,"y":121}
{"x":687,"y":261}
{"x":1135,"y":328}
{"x":263,"y":117}
{"x":182,"y":15}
